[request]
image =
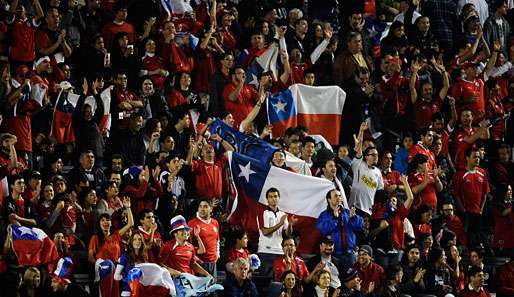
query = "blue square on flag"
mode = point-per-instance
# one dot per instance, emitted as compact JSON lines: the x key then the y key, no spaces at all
{"x":281,"y":107}
{"x":249,"y":174}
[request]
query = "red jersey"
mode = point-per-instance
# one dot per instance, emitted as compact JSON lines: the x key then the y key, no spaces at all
{"x":209,"y":178}
{"x":396,"y":227}
{"x":210,"y":235}
{"x":151,"y":63}
{"x":390,"y":178}
{"x":23,"y":44}
{"x":460,"y":146}
{"x":467,"y":90}
{"x":297,"y":266}
{"x":244,"y":103}
{"x":234,"y":254}
{"x":471,"y":186}
{"x":418,"y":148}
{"x":503,"y":227}
{"x":428,"y":195}
{"x":109,"y":250}
{"x":178,"y":257}
{"x":496,"y":111}
{"x":68,"y":216}
{"x":297,"y":70}
{"x":424,"y":111}
{"x":110,"y":30}
{"x":395,"y":91}
{"x":469,"y":292}
{"x":445,"y":139}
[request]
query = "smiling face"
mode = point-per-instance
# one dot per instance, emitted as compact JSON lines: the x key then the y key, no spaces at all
{"x":279,"y":159}
{"x":137,"y":241}
{"x":48,"y":193}
{"x":290,"y":281}
{"x":324,"y":279}
{"x":150,"y":46}
{"x":105,"y":224}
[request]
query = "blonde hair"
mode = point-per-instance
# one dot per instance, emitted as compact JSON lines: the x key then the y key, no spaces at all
{"x":29,"y":275}
{"x":240,"y":262}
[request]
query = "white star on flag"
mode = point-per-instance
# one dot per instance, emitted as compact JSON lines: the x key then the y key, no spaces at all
{"x":25,"y":230}
{"x":254,"y":81}
{"x":280,"y":106}
{"x":246,"y":171}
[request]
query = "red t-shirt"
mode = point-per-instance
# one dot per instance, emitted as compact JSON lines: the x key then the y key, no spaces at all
{"x":109,"y":250}
{"x":297,"y":266}
{"x":68,"y":216}
{"x":465,"y":90}
{"x":495,"y":110}
{"x":234,"y":254}
{"x":210,"y":235}
{"x":178,"y":257}
{"x":445,"y":138}
{"x":428,"y":195}
{"x":209,"y":178}
{"x":471,"y":187}
{"x":110,"y":30}
{"x":461,"y":146}
{"x":244,"y":104}
{"x":396,"y":227}
{"x":418,"y":148}
{"x":146,"y":236}
{"x":424,"y":111}
{"x":391,"y":178}
{"x":23,"y":44}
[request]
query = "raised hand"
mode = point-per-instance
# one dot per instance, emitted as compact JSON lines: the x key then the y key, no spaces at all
{"x":126,"y":202}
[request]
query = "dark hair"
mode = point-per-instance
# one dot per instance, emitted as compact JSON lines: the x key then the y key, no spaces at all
{"x":142,"y":213}
{"x":307,"y":139}
{"x":423,"y":208}
{"x":151,"y":125}
{"x":368,"y":149}
{"x":13,"y":178}
{"x":470,"y":150}
{"x":178,"y":77}
{"x":424,"y":131}
{"x":286,"y":238}
{"x":272,"y":190}
{"x":99,"y":233}
{"x":351,"y":35}
{"x":285,"y":273}
{"x":501,"y":191}
{"x":479,"y":250}
{"x":473,"y":270}
{"x":234,"y":233}
{"x":416,"y":160}
{"x":329,"y":193}
{"x":437,"y":116}
{"x":392,"y":271}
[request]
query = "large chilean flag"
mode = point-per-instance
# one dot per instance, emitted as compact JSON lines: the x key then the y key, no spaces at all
{"x":316,"y":108}
{"x":32,"y":246}
{"x":300,"y":195}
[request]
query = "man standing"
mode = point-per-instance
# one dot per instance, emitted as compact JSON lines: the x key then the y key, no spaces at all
{"x":207,"y":236}
{"x":17,"y":210}
{"x":271,"y":226}
{"x":341,"y":224}
{"x":471,"y":187}
{"x":367,"y":178}
{"x":496,"y":27}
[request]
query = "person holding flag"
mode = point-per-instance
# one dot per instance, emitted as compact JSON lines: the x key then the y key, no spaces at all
{"x":61,"y":285}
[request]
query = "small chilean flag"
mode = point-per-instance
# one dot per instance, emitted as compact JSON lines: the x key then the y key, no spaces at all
{"x":32,"y":246}
{"x":316,"y":108}
{"x":149,"y":279}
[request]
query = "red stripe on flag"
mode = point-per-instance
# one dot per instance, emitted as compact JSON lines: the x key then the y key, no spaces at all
{"x":327,"y":125}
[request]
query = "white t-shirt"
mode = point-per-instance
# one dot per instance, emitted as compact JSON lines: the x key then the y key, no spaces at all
{"x":366,"y":181}
{"x":271,"y":244}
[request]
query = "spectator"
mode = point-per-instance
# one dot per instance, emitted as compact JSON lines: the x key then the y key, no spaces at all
{"x":367,"y":178}
{"x":238,"y":284}
{"x":238,"y":96}
{"x":331,"y":263}
{"x":351,"y":284}
{"x":505,"y":279}
{"x":119,"y":24}
{"x":412,"y":282}
{"x":105,"y":248}
{"x":136,"y":253}
{"x":449,"y":220}
{"x":290,"y":261}
{"x":391,"y":178}
{"x":15,"y":209}
{"x":423,"y":147}
{"x":51,"y":40}
{"x":401,"y":158}
{"x":371,"y":274}
{"x":471,"y":190}
{"x":438,"y":278}
{"x":502,"y":242}
{"x":476,"y":283}
{"x":425,"y":182}
{"x":341,"y":224}
{"x":207,"y":236}
{"x":31,"y":285}
{"x":178,"y":255}
{"x":151,"y":237}
{"x":500,"y":168}
{"x":272,"y":224}
{"x":87,"y":169}
{"x":238,"y":248}
{"x":349,"y":61}
{"x":467,"y":135}
{"x":322,"y":286}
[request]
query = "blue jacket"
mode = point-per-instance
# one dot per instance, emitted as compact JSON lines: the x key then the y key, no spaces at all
{"x":401,"y":161}
{"x":327,"y":224}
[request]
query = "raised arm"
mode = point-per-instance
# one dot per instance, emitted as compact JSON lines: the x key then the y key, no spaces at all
{"x":316,"y":53}
{"x":412,"y":82}
{"x":39,"y":11}
{"x":410,"y":196}
{"x":359,"y":139}
{"x":130,"y":218}
{"x":255,"y":111}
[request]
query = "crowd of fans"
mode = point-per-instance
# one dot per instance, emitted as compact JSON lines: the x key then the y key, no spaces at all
{"x":425,"y":155}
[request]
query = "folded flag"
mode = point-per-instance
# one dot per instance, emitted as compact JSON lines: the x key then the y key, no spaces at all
{"x":316,"y":108}
{"x":104,"y":273}
{"x":62,"y":129}
{"x":300,"y":195}
{"x":150,"y":279}
{"x":245,"y":144}
{"x":32,"y":246}
{"x":189,"y":285}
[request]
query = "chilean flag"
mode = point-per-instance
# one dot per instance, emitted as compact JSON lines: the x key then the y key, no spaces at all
{"x":105,"y":123}
{"x":32,"y":246}
{"x":267,"y":61}
{"x":62,"y":129}
{"x":316,"y":108}
{"x":149,"y":279}
{"x":300,"y":195}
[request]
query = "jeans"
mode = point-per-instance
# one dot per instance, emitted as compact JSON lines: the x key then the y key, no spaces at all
{"x":266,"y":268}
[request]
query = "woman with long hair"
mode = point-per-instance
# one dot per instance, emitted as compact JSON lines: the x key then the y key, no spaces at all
{"x":136,"y":253}
{"x":31,"y":283}
{"x":105,"y":249}
{"x":438,"y":277}
{"x":396,"y":40}
{"x":237,"y":243}
{"x":289,"y":285}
